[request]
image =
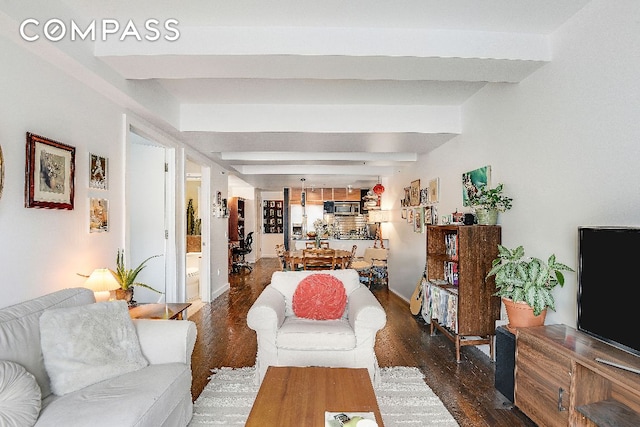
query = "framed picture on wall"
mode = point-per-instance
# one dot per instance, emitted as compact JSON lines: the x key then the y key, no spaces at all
{"x":473,"y":181}
{"x":98,"y":215}
{"x":434,"y":190}
{"x":414,"y":193}
{"x":427,"y":216}
{"x":418,"y":220}
{"x":49,"y":173}
{"x":424,"y":196}
{"x":272,"y":216}
{"x":98,"y":172}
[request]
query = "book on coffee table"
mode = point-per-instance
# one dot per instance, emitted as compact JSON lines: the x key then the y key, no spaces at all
{"x":337,"y":419}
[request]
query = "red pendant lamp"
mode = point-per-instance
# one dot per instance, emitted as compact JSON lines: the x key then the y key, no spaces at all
{"x":378,"y":188}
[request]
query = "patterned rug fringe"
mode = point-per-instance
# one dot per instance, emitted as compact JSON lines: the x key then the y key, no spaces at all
{"x":403,"y":397}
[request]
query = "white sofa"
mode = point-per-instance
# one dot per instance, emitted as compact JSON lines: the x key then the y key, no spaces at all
{"x":287,"y":340}
{"x":156,"y":395}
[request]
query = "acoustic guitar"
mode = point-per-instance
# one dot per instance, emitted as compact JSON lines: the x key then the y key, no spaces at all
{"x":415,"y":304}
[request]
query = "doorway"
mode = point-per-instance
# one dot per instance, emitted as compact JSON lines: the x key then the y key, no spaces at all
{"x":146,"y":212}
{"x":197,"y":281}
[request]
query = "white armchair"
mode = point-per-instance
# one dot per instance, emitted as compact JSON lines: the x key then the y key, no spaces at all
{"x":287,"y":340}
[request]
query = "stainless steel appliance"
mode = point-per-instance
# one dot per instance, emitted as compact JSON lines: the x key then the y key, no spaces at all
{"x":346,"y":208}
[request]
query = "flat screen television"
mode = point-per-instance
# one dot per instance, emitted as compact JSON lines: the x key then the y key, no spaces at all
{"x":608,"y":280}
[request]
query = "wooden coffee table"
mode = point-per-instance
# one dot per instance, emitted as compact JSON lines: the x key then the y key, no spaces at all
{"x":291,"y":396}
{"x":159,"y":311}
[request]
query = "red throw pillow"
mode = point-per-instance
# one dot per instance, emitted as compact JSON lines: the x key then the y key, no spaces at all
{"x":320,"y":297}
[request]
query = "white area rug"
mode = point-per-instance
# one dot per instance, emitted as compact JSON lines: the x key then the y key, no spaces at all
{"x":403,"y":397}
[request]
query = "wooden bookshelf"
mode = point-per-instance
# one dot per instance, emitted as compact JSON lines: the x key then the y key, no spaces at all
{"x":472,"y":308}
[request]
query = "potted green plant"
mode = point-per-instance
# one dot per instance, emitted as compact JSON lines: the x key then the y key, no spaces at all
{"x":525,"y":285}
{"x":487,"y":202}
{"x":126,"y":277}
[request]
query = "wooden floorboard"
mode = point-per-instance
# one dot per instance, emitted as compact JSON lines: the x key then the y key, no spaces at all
{"x":466,"y":388}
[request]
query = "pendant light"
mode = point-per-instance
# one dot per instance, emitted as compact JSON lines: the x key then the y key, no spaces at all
{"x":378,"y":188}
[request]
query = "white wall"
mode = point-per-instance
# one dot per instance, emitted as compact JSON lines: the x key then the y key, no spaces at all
{"x":43,"y":249}
{"x":564,"y":141}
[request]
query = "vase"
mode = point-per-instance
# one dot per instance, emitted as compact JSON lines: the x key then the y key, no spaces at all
{"x":487,"y":216}
{"x":520,"y":315}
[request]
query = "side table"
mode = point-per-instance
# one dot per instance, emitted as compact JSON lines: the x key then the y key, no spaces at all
{"x":173,"y":311}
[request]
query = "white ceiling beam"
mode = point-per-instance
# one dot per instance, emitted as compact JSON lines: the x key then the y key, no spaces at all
{"x":314,"y":170}
{"x":321,"y":118}
{"x":317,"y":156}
{"x":336,"y":41}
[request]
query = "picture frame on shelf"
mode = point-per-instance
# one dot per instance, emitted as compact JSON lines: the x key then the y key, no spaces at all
{"x":410,"y":216}
{"x":403,"y":213}
{"x":473,"y":181}
{"x":98,"y":172}
{"x":49,"y":173}
{"x":414,"y":193}
{"x":98,"y":215}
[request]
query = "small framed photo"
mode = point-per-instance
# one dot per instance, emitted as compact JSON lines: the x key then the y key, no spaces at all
{"x":428,"y":220}
{"x":434,"y":191}
{"x":424,"y":196}
{"x":49,"y":173}
{"x":418,"y":220}
{"x":403,"y":213}
{"x":98,"y":215}
{"x":414,"y":193}
{"x":98,"y":172}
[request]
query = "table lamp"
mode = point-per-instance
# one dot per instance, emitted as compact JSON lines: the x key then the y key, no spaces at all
{"x":378,"y":217}
{"x":102,"y":280}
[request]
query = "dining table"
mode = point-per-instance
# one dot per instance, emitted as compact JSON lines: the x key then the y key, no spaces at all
{"x":294,"y":259}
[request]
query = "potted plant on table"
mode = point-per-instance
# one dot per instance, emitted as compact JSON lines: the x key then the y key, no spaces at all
{"x":487,"y":202}
{"x":525,"y":285}
{"x":126,"y":277}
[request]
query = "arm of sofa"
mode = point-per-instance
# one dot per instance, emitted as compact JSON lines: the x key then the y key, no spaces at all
{"x":166,"y":341}
{"x":268,"y":310}
{"x":366,"y":315}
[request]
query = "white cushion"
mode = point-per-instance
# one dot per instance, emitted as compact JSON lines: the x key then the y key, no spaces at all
{"x":19,"y":396}
{"x":297,"y":333}
{"x":145,"y":397}
{"x":87,"y":344}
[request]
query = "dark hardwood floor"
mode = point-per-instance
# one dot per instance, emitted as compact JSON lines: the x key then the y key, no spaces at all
{"x":466,"y":388}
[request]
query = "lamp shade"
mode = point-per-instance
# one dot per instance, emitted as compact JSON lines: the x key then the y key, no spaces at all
{"x":378,"y":189}
{"x":102,"y":279}
{"x":376,"y":216}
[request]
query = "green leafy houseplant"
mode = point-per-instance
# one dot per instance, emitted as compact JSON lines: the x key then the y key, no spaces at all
{"x":491,"y":198}
{"x":126,"y":277}
{"x":526,"y":279}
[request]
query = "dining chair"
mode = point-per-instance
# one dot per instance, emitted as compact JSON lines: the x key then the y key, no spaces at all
{"x":349,"y":262}
{"x":324,"y":244}
{"x":280,"y":252}
{"x":373,"y":266}
{"x":310,"y":245}
{"x":318,"y":259}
